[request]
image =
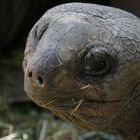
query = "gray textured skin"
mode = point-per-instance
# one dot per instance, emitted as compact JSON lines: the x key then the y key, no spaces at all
{"x":55,"y":51}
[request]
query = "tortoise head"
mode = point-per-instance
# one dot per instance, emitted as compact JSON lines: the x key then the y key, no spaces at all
{"x":85,"y":68}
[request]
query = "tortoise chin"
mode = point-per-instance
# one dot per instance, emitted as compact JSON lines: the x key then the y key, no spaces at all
{"x":88,"y":114}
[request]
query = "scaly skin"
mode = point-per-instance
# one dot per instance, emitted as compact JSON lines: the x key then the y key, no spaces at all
{"x":82,"y":62}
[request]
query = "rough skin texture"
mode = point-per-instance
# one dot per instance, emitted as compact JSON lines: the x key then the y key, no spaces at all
{"x":82,"y":62}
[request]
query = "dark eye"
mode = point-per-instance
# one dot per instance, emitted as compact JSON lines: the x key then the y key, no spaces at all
{"x":96,"y":65}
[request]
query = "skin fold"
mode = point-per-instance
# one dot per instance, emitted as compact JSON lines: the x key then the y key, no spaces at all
{"x":82,"y":62}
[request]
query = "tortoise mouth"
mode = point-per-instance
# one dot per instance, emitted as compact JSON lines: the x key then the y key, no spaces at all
{"x":65,"y":102}
{"x":78,"y":105}
{"x":70,"y":101}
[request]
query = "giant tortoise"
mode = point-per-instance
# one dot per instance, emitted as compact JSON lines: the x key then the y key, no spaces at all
{"x":82,"y":62}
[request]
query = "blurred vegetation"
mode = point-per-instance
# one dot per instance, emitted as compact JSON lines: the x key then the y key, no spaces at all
{"x":26,"y":121}
{"x":11,"y":74}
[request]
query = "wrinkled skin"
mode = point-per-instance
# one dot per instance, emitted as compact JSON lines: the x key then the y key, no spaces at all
{"x":82,"y":62}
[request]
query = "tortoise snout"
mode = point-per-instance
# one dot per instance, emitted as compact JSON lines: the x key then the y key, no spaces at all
{"x":41,"y":71}
{"x":36,"y":83}
{"x":36,"y":77}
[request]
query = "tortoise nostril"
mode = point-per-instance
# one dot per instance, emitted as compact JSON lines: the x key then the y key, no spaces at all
{"x":30,"y":75}
{"x":40,"y":80}
{"x":36,"y":78}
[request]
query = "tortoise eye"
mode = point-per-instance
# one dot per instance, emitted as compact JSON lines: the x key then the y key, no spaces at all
{"x":96,"y":64}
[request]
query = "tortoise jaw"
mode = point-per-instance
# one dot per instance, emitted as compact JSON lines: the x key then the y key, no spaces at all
{"x":69,"y":101}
